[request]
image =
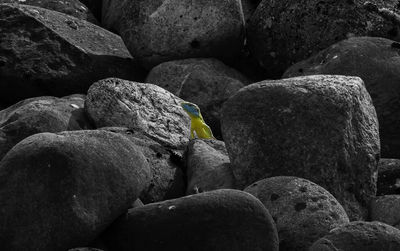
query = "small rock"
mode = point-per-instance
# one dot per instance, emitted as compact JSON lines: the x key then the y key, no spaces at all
{"x":388,"y":177}
{"x":386,"y":209}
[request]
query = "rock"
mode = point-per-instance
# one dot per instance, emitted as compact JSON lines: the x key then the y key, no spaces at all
{"x":72,"y":7}
{"x":322,"y":128}
{"x":148,"y":108}
{"x":60,"y":191}
{"x":41,"y":114}
{"x":377,"y":62}
{"x":386,"y":209}
{"x":44,"y":52}
{"x":208,"y":166}
{"x":303,"y":211}
{"x":85,"y":249}
{"x":281,"y":33}
{"x":249,"y":6}
{"x":167,"y":178}
{"x":205,"y":82}
{"x":95,"y":6}
{"x":137,"y":203}
{"x":218,"y":220}
{"x":388,"y":177}
{"x":360,"y":236}
{"x":160,"y":31}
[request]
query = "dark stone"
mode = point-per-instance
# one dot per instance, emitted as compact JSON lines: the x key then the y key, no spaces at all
{"x":388,"y":177}
{"x":386,"y":209}
{"x":95,"y":7}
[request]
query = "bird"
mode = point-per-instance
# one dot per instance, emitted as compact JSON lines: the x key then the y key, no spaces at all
{"x":198,"y":127}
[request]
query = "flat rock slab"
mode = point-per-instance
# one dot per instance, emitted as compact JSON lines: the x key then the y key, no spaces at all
{"x":377,"y":62}
{"x":386,"y":209}
{"x":388,"y":177}
{"x":154,"y":111}
{"x":322,"y":128}
{"x":225,"y":220}
{"x":303,"y":211}
{"x":60,"y":191}
{"x":44,"y":52}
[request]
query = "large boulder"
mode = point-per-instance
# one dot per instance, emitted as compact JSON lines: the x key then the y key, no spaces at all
{"x":388,"y":177}
{"x":386,"y":209}
{"x":160,"y":31}
{"x":41,"y":114}
{"x":60,"y":191}
{"x":281,"y":33}
{"x":44,"y":52}
{"x":303,"y":211}
{"x":377,"y":62}
{"x":225,"y":220}
{"x":322,"y":128}
{"x":148,"y":108}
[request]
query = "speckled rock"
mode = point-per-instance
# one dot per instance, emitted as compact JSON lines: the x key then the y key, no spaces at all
{"x":60,"y":191}
{"x":224,"y":220}
{"x":386,"y":209}
{"x":44,"y":52}
{"x":281,"y":33}
{"x":303,"y":211}
{"x":205,"y":82}
{"x":360,"y":236}
{"x":322,"y":128}
{"x":377,"y":62}
{"x":41,"y":114}
{"x":160,"y":31}
{"x":208,"y":166}
{"x":148,"y":108}
{"x":388,"y":177}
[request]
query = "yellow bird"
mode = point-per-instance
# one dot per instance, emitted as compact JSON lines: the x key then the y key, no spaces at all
{"x":197,"y":125}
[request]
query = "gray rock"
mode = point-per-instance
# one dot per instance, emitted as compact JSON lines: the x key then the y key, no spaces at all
{"x":160,"y":31}
{"x":208,"y":166}
{"x":386,"y":209}
{"x":60,"y":191}
{"x":322,"y":128}
{"x":388,"y":177}
{"x":224,"y":220}
{"x":303,"y":211}
{"x":148,"y":108}
{"x":360,"y":236}
{"x":377,"y":62}
{"x":94,"y":6}
{"x":44,"y":52}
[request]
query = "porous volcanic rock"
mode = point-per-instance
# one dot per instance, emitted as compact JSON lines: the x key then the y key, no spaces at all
{"x":208,"y":167}
{"x":303,"y":211}
{"x":225,"y":220}
{"x":154,"y":111}
{"x":206,"y":82}
{"x":388,"y":177}
{"x":41,"y":114}
{"x":44,"y":52}
{"x":386,"y":209}
{"x":322,"y":128}
{"x":360,"y":236}
{"x":377,"y":62}
{"x":60,"y":191}
{"x":281,"y":33}
{"x":160,"y":31}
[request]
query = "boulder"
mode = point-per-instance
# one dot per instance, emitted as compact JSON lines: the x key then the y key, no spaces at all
{"x":377,"y":62}
{"x":388,"y":177}
{"x":360,"y":236}
{"x":206,"y":82}
{"x":41,"y":114}
{"x":160,"y":31}
{"x":218,"y":220}
{"x":281,"y":33}
{"x":60,"y":191}
{"x":322,"y":128}
{"x":386,"y":209}
{"x":148,"y":108}
{"x":94,"y":6}
{"x":303,"y":211}
{"x":44,"y":52}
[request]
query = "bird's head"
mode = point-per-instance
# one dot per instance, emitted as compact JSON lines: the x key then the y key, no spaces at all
{"x":191,"y":109}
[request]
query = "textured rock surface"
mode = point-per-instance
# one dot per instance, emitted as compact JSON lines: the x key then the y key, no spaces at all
{"x":148,"y":108}
{"x":386,"y":209}
{"x":41,"y":114}
{"x":217,"y":220}
{"x":388,"y":177}
{"x":44,"y":52}
{"x":322,"y":128}
{"x":205,"y":82}
{"x":208,"y":166}
{"x":360,"y":236}
{"x":95,"y":6}
{"x":60,"y":191}
{"x":303,"y":211}
{"x":281,"y":33}
{"x":160,"y":31}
